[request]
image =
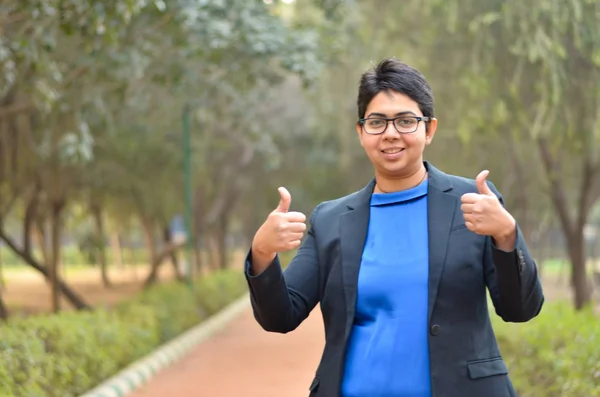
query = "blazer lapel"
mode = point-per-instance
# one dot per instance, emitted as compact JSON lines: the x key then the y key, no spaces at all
{"x":353,"y":232}
{"x":441,"y":208}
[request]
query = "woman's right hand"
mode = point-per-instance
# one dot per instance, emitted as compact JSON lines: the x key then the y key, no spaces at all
{"x":282,"y":231}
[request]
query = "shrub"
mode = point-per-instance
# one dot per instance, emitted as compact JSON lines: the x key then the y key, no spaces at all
{"x":67,"y":354}
{"x":555,"y":355}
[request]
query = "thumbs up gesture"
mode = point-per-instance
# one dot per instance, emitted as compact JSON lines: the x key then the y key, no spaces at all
{"x":483,"y":212}
{"x":282,"y":231}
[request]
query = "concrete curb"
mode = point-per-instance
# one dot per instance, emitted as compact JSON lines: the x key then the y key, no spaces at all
{"x":141,"y":371}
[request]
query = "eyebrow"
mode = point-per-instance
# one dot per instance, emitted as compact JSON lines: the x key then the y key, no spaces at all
{"x":404,"y":113}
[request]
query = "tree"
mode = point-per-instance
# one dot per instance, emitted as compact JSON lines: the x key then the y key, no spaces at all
{"x":534,"y":71}
{"x":90,"y":103}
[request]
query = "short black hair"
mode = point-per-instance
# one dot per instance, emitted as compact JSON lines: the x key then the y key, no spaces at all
{"x":392,"y":74}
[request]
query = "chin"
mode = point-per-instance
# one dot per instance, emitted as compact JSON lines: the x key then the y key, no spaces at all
{"x":394,"y":171}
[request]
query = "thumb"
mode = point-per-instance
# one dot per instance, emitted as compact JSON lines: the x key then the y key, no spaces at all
{"x":482,"y":185}
{"x":285,"y":201}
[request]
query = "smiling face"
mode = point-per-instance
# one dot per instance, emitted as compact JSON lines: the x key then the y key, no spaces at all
{"x":395,"y":156}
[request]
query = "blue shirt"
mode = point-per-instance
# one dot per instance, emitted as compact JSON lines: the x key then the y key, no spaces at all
{"x":388,"y":351}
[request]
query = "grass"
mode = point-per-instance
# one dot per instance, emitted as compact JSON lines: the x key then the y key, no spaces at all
{"x":555,"y":267}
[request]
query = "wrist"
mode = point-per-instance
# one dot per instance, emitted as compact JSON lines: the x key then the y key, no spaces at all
{"x":262,"y":255}
{"x":506,"y":235}
{"x":506,"y":239}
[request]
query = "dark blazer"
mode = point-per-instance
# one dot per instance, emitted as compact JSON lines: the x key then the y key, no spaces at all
{"x":464,"y":357}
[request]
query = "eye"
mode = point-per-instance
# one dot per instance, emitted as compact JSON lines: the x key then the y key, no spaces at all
{"x":375,"y":123}
{"x":408,"y":121}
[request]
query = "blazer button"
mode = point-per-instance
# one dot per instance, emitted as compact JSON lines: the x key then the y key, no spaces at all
{"x":435,"y":330}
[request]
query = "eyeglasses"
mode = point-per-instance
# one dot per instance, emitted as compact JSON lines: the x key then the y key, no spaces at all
{"x":402,"y":124}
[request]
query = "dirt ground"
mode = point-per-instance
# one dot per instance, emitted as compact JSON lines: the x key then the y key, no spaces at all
{"x":26,"y":292}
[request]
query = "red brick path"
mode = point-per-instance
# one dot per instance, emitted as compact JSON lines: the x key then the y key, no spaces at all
{"x":245,"y":361}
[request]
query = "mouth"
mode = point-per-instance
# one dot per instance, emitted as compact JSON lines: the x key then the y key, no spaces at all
{"x":393,"y":150}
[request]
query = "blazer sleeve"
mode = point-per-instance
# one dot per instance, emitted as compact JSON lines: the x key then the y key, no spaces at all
{"x":281,"y":300}
{"x":512,"y":279}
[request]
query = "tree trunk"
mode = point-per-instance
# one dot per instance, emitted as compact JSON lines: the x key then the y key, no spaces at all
{"x":40,"y":237}
{"x":55,"y":237}
{"x":99,"y":222}
{"x":521,"y":197}
{"x":71,"y":295}
{"x":579,"y":278}
{"x":572,"y":228}
{"x":2,"y":280}
{"x":173,"y":254}
{"x":596,"y":252}
{"x":212,"y":251}
{"x":151,"y":248}
{"x":198,"y":229}
{"x":198,"y":257}
{"x":132,"y":255}
{"x":149,"y":240}
{"x":3,"y":309}
{"x":222,"y":228}
{"x":197,"y":237}
{"x":159,"y":260}
{"x":31,"y":215}
{"x":117,"y":251}
{"x":543,"y":245}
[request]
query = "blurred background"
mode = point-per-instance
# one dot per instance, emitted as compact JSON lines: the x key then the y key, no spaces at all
{"x":142,"y":143}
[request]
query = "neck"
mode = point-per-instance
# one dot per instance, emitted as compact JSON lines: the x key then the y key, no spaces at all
{"x":390,"y":185}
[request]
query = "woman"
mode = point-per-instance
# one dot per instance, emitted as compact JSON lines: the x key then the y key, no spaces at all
{"x":400,"y":268}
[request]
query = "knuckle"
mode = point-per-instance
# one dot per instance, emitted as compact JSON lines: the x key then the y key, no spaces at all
{"x":274,"y":215}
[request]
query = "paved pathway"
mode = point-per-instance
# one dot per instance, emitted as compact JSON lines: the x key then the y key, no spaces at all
{"x":244,"y":360}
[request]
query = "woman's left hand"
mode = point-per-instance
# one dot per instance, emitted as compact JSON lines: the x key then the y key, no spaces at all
{"x":484,"y":213}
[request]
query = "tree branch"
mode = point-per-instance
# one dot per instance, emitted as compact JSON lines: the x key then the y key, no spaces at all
{"x":14,"y":109}
{"x":231,"y":187}
{"x":556,"y":192}
{"x":594,"y":194}
{"x":71,"y":295}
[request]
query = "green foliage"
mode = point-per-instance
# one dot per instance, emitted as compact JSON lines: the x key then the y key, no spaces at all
{"x":218,"y":289}
{"x":555,"y":355}
{"x":174,"y":309}
{"x":90,"y":245}
{"x":107,"y":82}
{"x":64,"y":355}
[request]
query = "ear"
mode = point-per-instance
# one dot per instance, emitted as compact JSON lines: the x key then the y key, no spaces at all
{"x":359,"y":130}
{"x":430,"y":132}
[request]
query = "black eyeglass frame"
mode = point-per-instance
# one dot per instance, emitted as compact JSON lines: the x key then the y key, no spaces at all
{"x":387,"y":120}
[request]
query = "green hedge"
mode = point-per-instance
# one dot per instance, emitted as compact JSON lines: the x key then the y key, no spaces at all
{"x":555,"y":355}
{"x":67,"y":354}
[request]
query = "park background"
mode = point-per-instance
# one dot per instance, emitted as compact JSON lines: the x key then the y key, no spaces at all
{"x":125,"y":124}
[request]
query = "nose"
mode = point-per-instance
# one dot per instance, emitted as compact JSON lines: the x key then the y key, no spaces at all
{"x":390,"y":131}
